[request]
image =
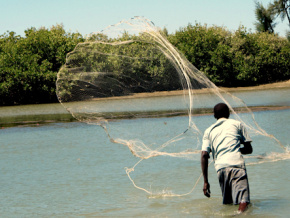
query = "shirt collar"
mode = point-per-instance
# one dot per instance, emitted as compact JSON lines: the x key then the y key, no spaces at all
{"x":222,"y":119}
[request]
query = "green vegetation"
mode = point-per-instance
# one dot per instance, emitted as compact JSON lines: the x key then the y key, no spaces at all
{"x":115,"y":75}
{"x":29,"y":64}
{"x":235,"y":59}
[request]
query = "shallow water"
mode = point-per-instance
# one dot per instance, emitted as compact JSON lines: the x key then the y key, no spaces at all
{"x":71,"y":169}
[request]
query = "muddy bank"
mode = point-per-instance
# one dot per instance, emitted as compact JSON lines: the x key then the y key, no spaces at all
{"x":278,"y":85}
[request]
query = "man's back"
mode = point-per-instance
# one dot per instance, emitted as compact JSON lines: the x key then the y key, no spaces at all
{"x":223,"y":139}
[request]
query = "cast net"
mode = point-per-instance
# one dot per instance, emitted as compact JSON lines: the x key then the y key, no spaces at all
{"x":130,"y":80}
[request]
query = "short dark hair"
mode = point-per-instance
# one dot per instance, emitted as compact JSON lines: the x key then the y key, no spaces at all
{"x":221,"y":110}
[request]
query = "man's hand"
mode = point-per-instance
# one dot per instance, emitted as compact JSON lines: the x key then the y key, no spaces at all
{"x":247,"y":149}
{"x":206,"y":190}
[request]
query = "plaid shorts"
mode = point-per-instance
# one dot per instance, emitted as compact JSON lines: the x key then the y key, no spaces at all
{"x":234,"y":185}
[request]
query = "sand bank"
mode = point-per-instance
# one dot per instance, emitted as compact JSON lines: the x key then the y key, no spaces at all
{"x":278,"y":85}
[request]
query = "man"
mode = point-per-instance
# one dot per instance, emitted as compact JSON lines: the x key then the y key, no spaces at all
{"x":223,"y":139}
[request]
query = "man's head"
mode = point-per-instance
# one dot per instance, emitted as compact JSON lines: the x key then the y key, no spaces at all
{"x":221,"y":110}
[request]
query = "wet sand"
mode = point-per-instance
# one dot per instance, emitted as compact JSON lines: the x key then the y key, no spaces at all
{"x":278,"y":85}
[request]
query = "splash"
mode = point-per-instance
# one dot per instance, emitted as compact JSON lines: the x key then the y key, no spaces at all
{"x":269,"y":157}
{"x":130,"y":71}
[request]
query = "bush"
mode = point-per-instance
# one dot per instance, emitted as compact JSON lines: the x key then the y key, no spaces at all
{"x":235,"y":59}
{"x":28,"y":65}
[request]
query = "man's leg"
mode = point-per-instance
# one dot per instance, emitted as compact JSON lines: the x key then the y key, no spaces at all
{"x":240,"y":186}
{"x":226,"y":188}
{"x":243,"y":206}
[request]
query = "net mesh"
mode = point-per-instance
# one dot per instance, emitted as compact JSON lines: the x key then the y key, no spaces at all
{"x":131,"y":71}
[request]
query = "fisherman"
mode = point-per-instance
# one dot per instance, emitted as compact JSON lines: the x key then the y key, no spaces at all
{"x":224,"y":139}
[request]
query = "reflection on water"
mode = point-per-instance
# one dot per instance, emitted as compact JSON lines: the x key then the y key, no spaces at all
{"x":33,"y":115}
{"x":28,"y":120}
{"x":169,"y":105}
{"x":33,"y":109}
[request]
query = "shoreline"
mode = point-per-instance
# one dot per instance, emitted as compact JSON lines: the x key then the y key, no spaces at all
{"x":32,"y":120}
{"x":277,"y":85}
{"x":14,"y":116}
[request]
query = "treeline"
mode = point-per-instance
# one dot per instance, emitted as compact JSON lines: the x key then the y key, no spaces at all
{"x":29,"y":64}
{"x":237,"y":58}
{"x":132,"y":64}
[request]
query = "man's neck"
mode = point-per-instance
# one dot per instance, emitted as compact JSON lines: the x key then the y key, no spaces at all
{"x":222,"y":118}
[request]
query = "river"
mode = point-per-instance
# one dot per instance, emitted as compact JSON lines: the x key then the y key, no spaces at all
{"x":53,"y":166}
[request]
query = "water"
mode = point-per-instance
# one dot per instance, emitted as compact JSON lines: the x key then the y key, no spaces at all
{"x":71,"y":169}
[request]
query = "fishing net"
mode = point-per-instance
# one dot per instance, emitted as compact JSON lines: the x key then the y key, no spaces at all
{"x":130,"y":80}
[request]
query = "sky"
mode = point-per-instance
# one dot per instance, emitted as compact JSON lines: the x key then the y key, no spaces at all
{"x":87,"y":16}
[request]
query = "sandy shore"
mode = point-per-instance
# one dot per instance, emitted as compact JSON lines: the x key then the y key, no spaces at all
{"x":278,"y":85}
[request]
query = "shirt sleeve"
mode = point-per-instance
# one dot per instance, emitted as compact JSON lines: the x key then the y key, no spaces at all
{"x":206,"y":143}
{"x":244,"y":134}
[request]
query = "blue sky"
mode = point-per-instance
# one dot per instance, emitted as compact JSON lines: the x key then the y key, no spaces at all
{"x":87,"y":16}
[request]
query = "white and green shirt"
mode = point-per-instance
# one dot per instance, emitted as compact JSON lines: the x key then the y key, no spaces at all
{"x":223,"y":139}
